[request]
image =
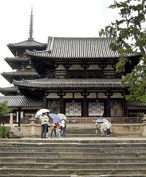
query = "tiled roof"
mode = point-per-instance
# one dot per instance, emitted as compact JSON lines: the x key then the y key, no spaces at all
{"x":13,"y":89}
{"x":8,"y":90}
{"x":26,"y":73}
{"x":136,"y":104}
{"x":77,"y":48}
{"x":21,"y":101}
{"x":69,"y":83}
{"x":27,"y":43}
{"x":17,"y":62}
{"x":15,"y":59}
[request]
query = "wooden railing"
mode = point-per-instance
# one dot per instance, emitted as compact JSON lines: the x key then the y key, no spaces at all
{"x":113,"y":120}
{"x":82,"y":120}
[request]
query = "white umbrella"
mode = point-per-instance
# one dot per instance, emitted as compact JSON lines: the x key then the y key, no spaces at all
{"x":40,"y":112}
{"x":62,"y":116}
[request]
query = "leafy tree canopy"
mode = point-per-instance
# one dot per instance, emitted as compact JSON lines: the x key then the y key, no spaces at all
{"x":129,"y":31}
{"x":4,"y":109}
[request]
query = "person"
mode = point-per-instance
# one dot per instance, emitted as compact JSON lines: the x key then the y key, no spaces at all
{"x":105,"y":128}
{"x":59,"y":130}
{"x":108,"y":125}
{"x":44,"y":119}
{"x":54,"y":129}
{"x":97,"y":128}
{"x":63,"y":127}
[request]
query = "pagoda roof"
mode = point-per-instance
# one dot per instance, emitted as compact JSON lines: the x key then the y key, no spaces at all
{"x":27,"y":43}
{"x":8,"y":90}
{"x":21,"y":101}
{"x":16,"y":62}
{"x":17,"y":59}
{"x":69,"y":83}
{"x":30,"y":43}
{"x":13,"y":75}
{"x":63,"y":47}
{"x":22,"y":73}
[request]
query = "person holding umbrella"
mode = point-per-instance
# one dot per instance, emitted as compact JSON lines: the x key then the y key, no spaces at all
{"x":62,"y":124}
{"x":54,"y":129}
{"x":44,"y":119}
{"x":63,"y":127}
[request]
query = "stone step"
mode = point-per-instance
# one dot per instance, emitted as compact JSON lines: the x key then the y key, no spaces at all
{"x":83,"y":135}
{"x":51,"y":175}
{"x":71,"y":160}
{"x":58,"y":166}
{"x":75,"y":145}
{"x":72,"y":172}
{"x":72,"y":155}
{"x":75,"y":140}
{"x":83,"y":150}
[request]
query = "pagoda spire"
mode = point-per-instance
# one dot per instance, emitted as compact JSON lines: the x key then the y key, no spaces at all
{"x":31,"y":26}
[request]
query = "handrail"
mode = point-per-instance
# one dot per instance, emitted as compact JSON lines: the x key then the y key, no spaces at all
{"x":113,"y":120}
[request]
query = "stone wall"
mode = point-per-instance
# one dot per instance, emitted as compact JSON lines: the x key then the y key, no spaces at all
{"x":123,"y":129}
{"x":117,"y":129}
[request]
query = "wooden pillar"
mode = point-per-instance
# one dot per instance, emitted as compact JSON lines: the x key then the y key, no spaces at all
{"x":67,"y":66}
{"x":108,"y":94}
{"x":61,"y":94}
{"x":19,"y":110}
{"x":108,"y":106}
{"x":125,"y":106}
{"x":11,"y":120}
{"x":85,"y":106}
{"x":61,"y":104}
{"x":85,"y":65}
{"x":45,"y":105}
{"x":102,"y":66}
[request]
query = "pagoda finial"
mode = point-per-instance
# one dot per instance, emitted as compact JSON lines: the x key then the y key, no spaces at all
{"x":31,"y":26}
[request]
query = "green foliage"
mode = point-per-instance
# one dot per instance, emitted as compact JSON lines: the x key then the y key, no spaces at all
{"x":4,"y":130}
{"x":130,"y":37}
{"x":4,"y":109}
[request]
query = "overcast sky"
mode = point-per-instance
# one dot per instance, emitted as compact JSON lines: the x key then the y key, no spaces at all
{"x":58,"y":18}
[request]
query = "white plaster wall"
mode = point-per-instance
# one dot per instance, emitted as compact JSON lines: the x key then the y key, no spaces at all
{"x":52,"y":95}
{"x":92,"y":95}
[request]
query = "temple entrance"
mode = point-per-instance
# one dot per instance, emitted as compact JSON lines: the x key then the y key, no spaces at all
{"x":73,"y":109}
{"x":95,"y":108}
{"x":54,"y":106}
{"x":116,"y":108}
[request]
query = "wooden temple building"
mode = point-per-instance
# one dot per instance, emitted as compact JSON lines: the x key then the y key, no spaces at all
{"x":74,"y":76}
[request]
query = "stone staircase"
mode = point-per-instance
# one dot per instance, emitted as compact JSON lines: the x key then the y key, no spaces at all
{"x":73,"y":157}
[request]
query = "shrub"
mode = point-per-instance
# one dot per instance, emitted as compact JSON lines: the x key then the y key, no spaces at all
{"x":4,"y":130}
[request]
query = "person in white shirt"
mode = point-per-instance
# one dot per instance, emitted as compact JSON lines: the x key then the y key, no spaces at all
{"x":63,"y":127}
{"x":44,"y":119}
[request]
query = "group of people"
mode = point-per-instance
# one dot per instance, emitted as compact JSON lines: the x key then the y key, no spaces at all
{"x":103,"y":128}
{"x":62,"y":126}
{"x":44,"y":119}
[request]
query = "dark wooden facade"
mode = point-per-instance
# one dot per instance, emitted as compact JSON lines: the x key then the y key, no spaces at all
{"x":78,"y":78}
{"x":75,"y":76}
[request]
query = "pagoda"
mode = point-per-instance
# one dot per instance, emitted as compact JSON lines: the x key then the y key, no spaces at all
{"x":22,"y":69}
{"x":73,"y":76}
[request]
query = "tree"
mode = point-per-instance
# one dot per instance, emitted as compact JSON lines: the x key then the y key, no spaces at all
{"x":4,"y":109}
{"x":130,"y":37}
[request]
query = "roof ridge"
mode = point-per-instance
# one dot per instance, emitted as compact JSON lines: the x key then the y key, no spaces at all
{"x":50,"y":37}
